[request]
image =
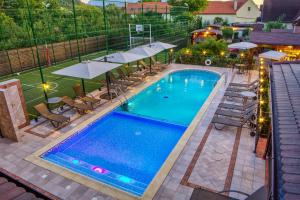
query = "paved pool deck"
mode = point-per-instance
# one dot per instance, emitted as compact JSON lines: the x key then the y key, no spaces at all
{"x":211,"y":159}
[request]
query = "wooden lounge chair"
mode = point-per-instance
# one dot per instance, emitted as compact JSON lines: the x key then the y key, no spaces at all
{"x":158,"y":65}
{"x":81,"y":108}
{"x":92,"y":101}
{"x":120,"y":82}
{"x":147,"y":67}
{"x":135,"y":74}
{"x":55,"y":119}
{"x":123,"y":76}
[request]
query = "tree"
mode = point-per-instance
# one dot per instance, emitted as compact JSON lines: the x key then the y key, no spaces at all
{"x":193,"y":5}
{"x":218,"y":20}
{"x":227,"y":33}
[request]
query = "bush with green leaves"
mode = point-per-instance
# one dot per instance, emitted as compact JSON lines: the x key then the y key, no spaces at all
{"x":212,"y":49}
{"x":227,"y":33}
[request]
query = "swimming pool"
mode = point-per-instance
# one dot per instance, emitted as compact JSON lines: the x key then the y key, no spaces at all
{"x":127,"y":147}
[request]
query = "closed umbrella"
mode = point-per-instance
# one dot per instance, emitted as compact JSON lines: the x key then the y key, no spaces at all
{"x":88,"y":70}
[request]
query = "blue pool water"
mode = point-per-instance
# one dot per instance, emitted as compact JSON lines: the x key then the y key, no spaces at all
{"x":127,"y":147}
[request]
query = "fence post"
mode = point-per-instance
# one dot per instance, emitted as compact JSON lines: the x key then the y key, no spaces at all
{"x":76,"y":35}
{"x":48,"y":25}
{"x":76,"y":30}
{"x":105,"y":26}
{"x":37,"y":50}
{"x":20,"y":63}
{"x":9,"y":62}
{"x":143,"y":21}
{"x":126,"y":22}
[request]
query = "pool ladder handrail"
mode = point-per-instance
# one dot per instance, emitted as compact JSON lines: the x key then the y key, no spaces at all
{"x":123,"y":94}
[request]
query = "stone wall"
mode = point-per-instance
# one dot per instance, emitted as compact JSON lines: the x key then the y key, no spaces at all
{"x":13,"y":112}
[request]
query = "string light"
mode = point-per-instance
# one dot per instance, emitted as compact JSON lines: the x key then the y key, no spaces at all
{"x":261,"y":80}
{"x":187,"y":51}
{"x":204,"y":52}
{"x":261,"y":119}
{"x":261,"y":67}
{"x":242,"y":55}
{"x":261,"y":89}
{"x":222,"y":53}
{"x":46,"y":86}
{"x":261,"y":73}
{"x":261,"y":102}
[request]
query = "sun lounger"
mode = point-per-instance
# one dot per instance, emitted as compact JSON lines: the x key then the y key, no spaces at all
{"x":135,"y":74}
{"x":121,"y":82}
{"x":146,"y":66}
{"x":244,"y":85}
{"x":234,"y":118}
{"x":158,"y":65}
{"x":81,"y":108}
{"x":55,"y":119}
{"x":92,"y":101}
{"x":239,"y":107}
{"x":123,"y":76}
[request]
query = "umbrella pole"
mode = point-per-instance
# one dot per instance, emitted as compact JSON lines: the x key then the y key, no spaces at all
{"x":107,"y":83}
{"x":150,"y":66}
{"x":83,"y":86}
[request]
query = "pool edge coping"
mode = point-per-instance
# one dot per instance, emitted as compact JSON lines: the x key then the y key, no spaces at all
{"x":162,"y":173}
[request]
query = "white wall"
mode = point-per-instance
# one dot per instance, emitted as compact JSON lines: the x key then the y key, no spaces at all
{"x":244,"y":15}
{"x":210,"y":18}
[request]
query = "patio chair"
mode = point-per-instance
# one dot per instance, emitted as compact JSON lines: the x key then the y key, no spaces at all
{"x":233,"y":94}
{"x":199,"y":193}
{"x":55,"y":119}
{"x":228,"y":118}
{"x":90,"y":100}
{"x":147,"y":67}
{"x":81,"y":108}
{"x":252,"y":87}
{"x":123,"y":76}
{"x":120,"y":81}
{"x":244,"y":85}
{"x":135,"y":74}
{"x":158,"y":65}
{"x":238,"y":107}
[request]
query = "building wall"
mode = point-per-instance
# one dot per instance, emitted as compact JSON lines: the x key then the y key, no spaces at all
{"x":246,"y":15}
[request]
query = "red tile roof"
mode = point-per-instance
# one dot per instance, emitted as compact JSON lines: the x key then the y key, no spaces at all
{"x":221,"y":7}
{"x":159,"y":7}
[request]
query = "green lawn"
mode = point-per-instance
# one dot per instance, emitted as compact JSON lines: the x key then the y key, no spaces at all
{"x":59,"y":85}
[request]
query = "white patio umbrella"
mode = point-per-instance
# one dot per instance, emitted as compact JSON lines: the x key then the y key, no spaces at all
{"x":122,"y":57}
{"x":145,"y":51}
{"x":242,"y":45}
{"x":88,"y":70}
{"x":160,"y":45}
{"x":272,"y":55}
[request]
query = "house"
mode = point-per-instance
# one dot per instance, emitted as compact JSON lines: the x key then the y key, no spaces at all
{"x":288,"y":10}
{"x":231,"y":10}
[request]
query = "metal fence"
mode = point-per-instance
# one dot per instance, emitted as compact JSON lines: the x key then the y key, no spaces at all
{"x":43,"y":36}
{"x":54,"y":33}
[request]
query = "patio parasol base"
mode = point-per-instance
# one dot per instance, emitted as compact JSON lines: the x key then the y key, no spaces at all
{"x":107,"y":97}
